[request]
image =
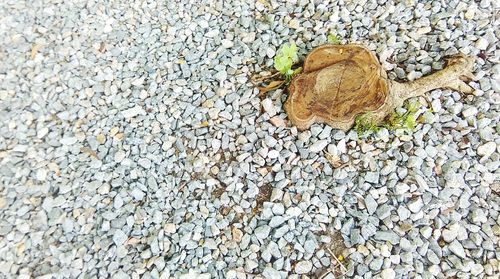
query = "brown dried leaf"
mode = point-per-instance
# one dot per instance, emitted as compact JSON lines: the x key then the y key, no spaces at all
{"x":272,"y":86}
{"x":334,"y":160}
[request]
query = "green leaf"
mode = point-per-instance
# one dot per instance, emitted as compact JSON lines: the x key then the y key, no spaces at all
{"x":410,"y":122}
{"x":333,"y":39}
{"x":282,"y":64}
{"x":412,"y":107}
{"x":290,"y":52}
{"x":285,"y":59}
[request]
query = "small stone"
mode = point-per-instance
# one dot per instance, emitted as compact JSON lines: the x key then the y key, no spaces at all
{"x":405,"y":244}
{"x":436,"y":105}
{"x":276,"y":221}
{"x":482,"y":44}
{"x":486,"y":149}
{"x":469,"y":112}
{"x":368,"y":230}
{"x":310,"y":246}
{"x":42,"y":132}
{"x":318,"y":146}
{"x":145,"y":163}
{"x":390,"y":236}
{"x":451,"y":232}
{"x":249,"y":265}
{"x":273,"y":154}
{"x":457,"y":249}
{"x":426,"y":231}
{"x":376,"y":264}
{"x":371,"y":204}
{"x":137,"y":194}
{"x":303,"y":267}
{"x":118,"y":202}
{"x":478,"y":216}
{"x":119,"y":156}
{"x":132,"y":112}
{"x":469,"y":14}
{"x":341,"y":146}
{"x":384,"y":211}
{"x":120,"y":274}
{"x":41,"y":174}
{"x":119,"y":237}
{"x":433,"y":258}
{"x":413,"y":75}
{"x":277,"y":122}
{"x":388,"y":273}
{"x":294,"y":24}
{"x":121,"y":251}
{"x":401,"y":188}
{"x":262,"y":232}
{"x":424,"y":30}
{"x":372,"y":177}
{"x":113,"y":131}
{"x":68,"y":140}
{"x":270,"y":272}
{"x":100,"y":138}
{"x":476,"y":269}
{"x":227,"y":43}
{"x":269,"y":107}
{"x":237,"y":234}
{"x":415,"y":205}
{"x":170,"y":228}
{"x":293,"y":212}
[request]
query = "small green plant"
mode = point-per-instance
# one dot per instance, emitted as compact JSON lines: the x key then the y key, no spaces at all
{"x":333,"y":39}
{"x":284,"y":60}
{"x":364,"y":124}
{"x":405,"y":120}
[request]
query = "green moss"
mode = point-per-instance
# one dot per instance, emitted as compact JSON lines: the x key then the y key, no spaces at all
{"x":333,"y":39}
{"x":364,"y":124}
{"x":399,"y":119}
{"x":403,"y":120}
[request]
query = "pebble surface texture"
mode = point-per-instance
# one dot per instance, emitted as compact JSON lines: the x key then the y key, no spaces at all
{"x":133,"y":145}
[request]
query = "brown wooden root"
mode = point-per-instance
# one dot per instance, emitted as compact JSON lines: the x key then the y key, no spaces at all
{"x":459,"y":68}
{"x":342,"y":82}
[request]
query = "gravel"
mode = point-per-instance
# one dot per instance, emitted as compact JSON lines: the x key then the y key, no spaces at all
{"x":133,"y":144}
{"x":303,"y":267}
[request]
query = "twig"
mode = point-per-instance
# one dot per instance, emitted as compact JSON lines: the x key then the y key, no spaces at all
{"x":344,"y":271}
{"x":255,"y":81}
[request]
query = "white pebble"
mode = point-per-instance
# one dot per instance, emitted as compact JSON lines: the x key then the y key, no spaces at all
{"x":132,"y":112}
{"x":318,"y":146}
{"x":482,"y":44}
{"x":68,"y":140}
{"x":269,"y":107}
